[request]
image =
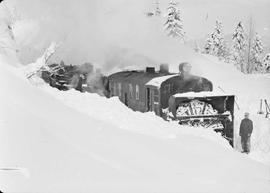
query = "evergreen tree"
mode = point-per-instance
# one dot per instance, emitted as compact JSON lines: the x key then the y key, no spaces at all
{"x":264,"y":66}
{"x":219,"y":48}
{"x":174,"y":22}
{"x":227,"y":53}
{"x":215,"y":43}
{"x":256,"y":51}
{"x":157,"y":10}
{"x":208,"y":48}
{"x":239,"y":46}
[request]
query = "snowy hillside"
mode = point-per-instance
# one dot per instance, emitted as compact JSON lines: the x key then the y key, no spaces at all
{"x":56,"y":141}
{"x":55,"y":148}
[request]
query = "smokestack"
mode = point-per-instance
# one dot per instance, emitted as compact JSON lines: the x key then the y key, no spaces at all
{"x":184,"y":69}
{"x":150,"y":69}
{"x":86,"y":68}
{"x":164,"y":68}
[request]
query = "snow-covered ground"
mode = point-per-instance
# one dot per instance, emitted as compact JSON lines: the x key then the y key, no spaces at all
{"x":70,"y":141}
{"x":55,"y":141}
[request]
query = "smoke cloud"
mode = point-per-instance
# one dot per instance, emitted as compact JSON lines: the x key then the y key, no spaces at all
{"x":115,"y":34}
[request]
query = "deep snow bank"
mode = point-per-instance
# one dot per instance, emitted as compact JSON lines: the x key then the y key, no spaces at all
{"x":116,"y":113}
{"x":64,"y":150}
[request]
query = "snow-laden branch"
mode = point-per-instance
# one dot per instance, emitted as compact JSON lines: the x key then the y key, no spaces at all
{"x":42,"y":62}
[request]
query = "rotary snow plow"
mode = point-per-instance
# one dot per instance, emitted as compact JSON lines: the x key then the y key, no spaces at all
{"x":204,"y":109}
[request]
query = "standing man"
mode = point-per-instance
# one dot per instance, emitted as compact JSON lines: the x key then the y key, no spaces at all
{"x":246,"y":129}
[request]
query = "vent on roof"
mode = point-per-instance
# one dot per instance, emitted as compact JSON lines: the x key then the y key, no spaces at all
{"x":150,"y":69}
{"x":164,"y":68}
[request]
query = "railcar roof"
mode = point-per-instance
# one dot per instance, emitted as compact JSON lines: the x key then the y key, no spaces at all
{"x":159,"y":80}
{"x":140,"y":77}
{"x":201,"y":94}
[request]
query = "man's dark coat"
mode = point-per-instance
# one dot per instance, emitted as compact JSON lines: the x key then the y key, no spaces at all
{"x":246,"y":128}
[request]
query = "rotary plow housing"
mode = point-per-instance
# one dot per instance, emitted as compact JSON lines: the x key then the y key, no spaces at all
{"x":208,"y":111}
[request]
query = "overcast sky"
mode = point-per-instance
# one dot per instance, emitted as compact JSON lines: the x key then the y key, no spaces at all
{"x":89,"y":27}
{"x":194,"y":11}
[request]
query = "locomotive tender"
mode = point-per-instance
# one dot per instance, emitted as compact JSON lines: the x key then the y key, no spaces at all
{"x":183,"y":97}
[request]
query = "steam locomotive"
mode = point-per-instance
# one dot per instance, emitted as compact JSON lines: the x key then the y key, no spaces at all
{"x":182,"y":97}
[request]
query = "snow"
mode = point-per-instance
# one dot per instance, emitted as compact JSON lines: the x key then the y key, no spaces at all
{"x":72,"y":141}
{"x":159,"y":80}
{"x":8,"y":46}
{"x":114,"y":110}
{"x":201,"y":94}
{"x":34,"y":68}
{"x":54,"y":141}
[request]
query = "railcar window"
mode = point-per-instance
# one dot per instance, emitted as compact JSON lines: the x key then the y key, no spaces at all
{"x":119,"y":89}
{"x":114,"y":89}
{"x":130,"y":91}
{"x":156,"y":96}
{"x":111,"y":89}
{"x":137,"y":92}
{"x":156,"y":99}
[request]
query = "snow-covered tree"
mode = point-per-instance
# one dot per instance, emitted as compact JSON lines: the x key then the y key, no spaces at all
{"x":264,"y":66}
{"x":157,"y":9}
{"x":209,"y":44}
{"x":215,"y":43}
{"x":34,"y":70}
{"x":219,"y":43}
{"x":256,"y":51}
{"x":266,"y":63}
{"x":239,"y":46}
{"x":174,"y":22}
